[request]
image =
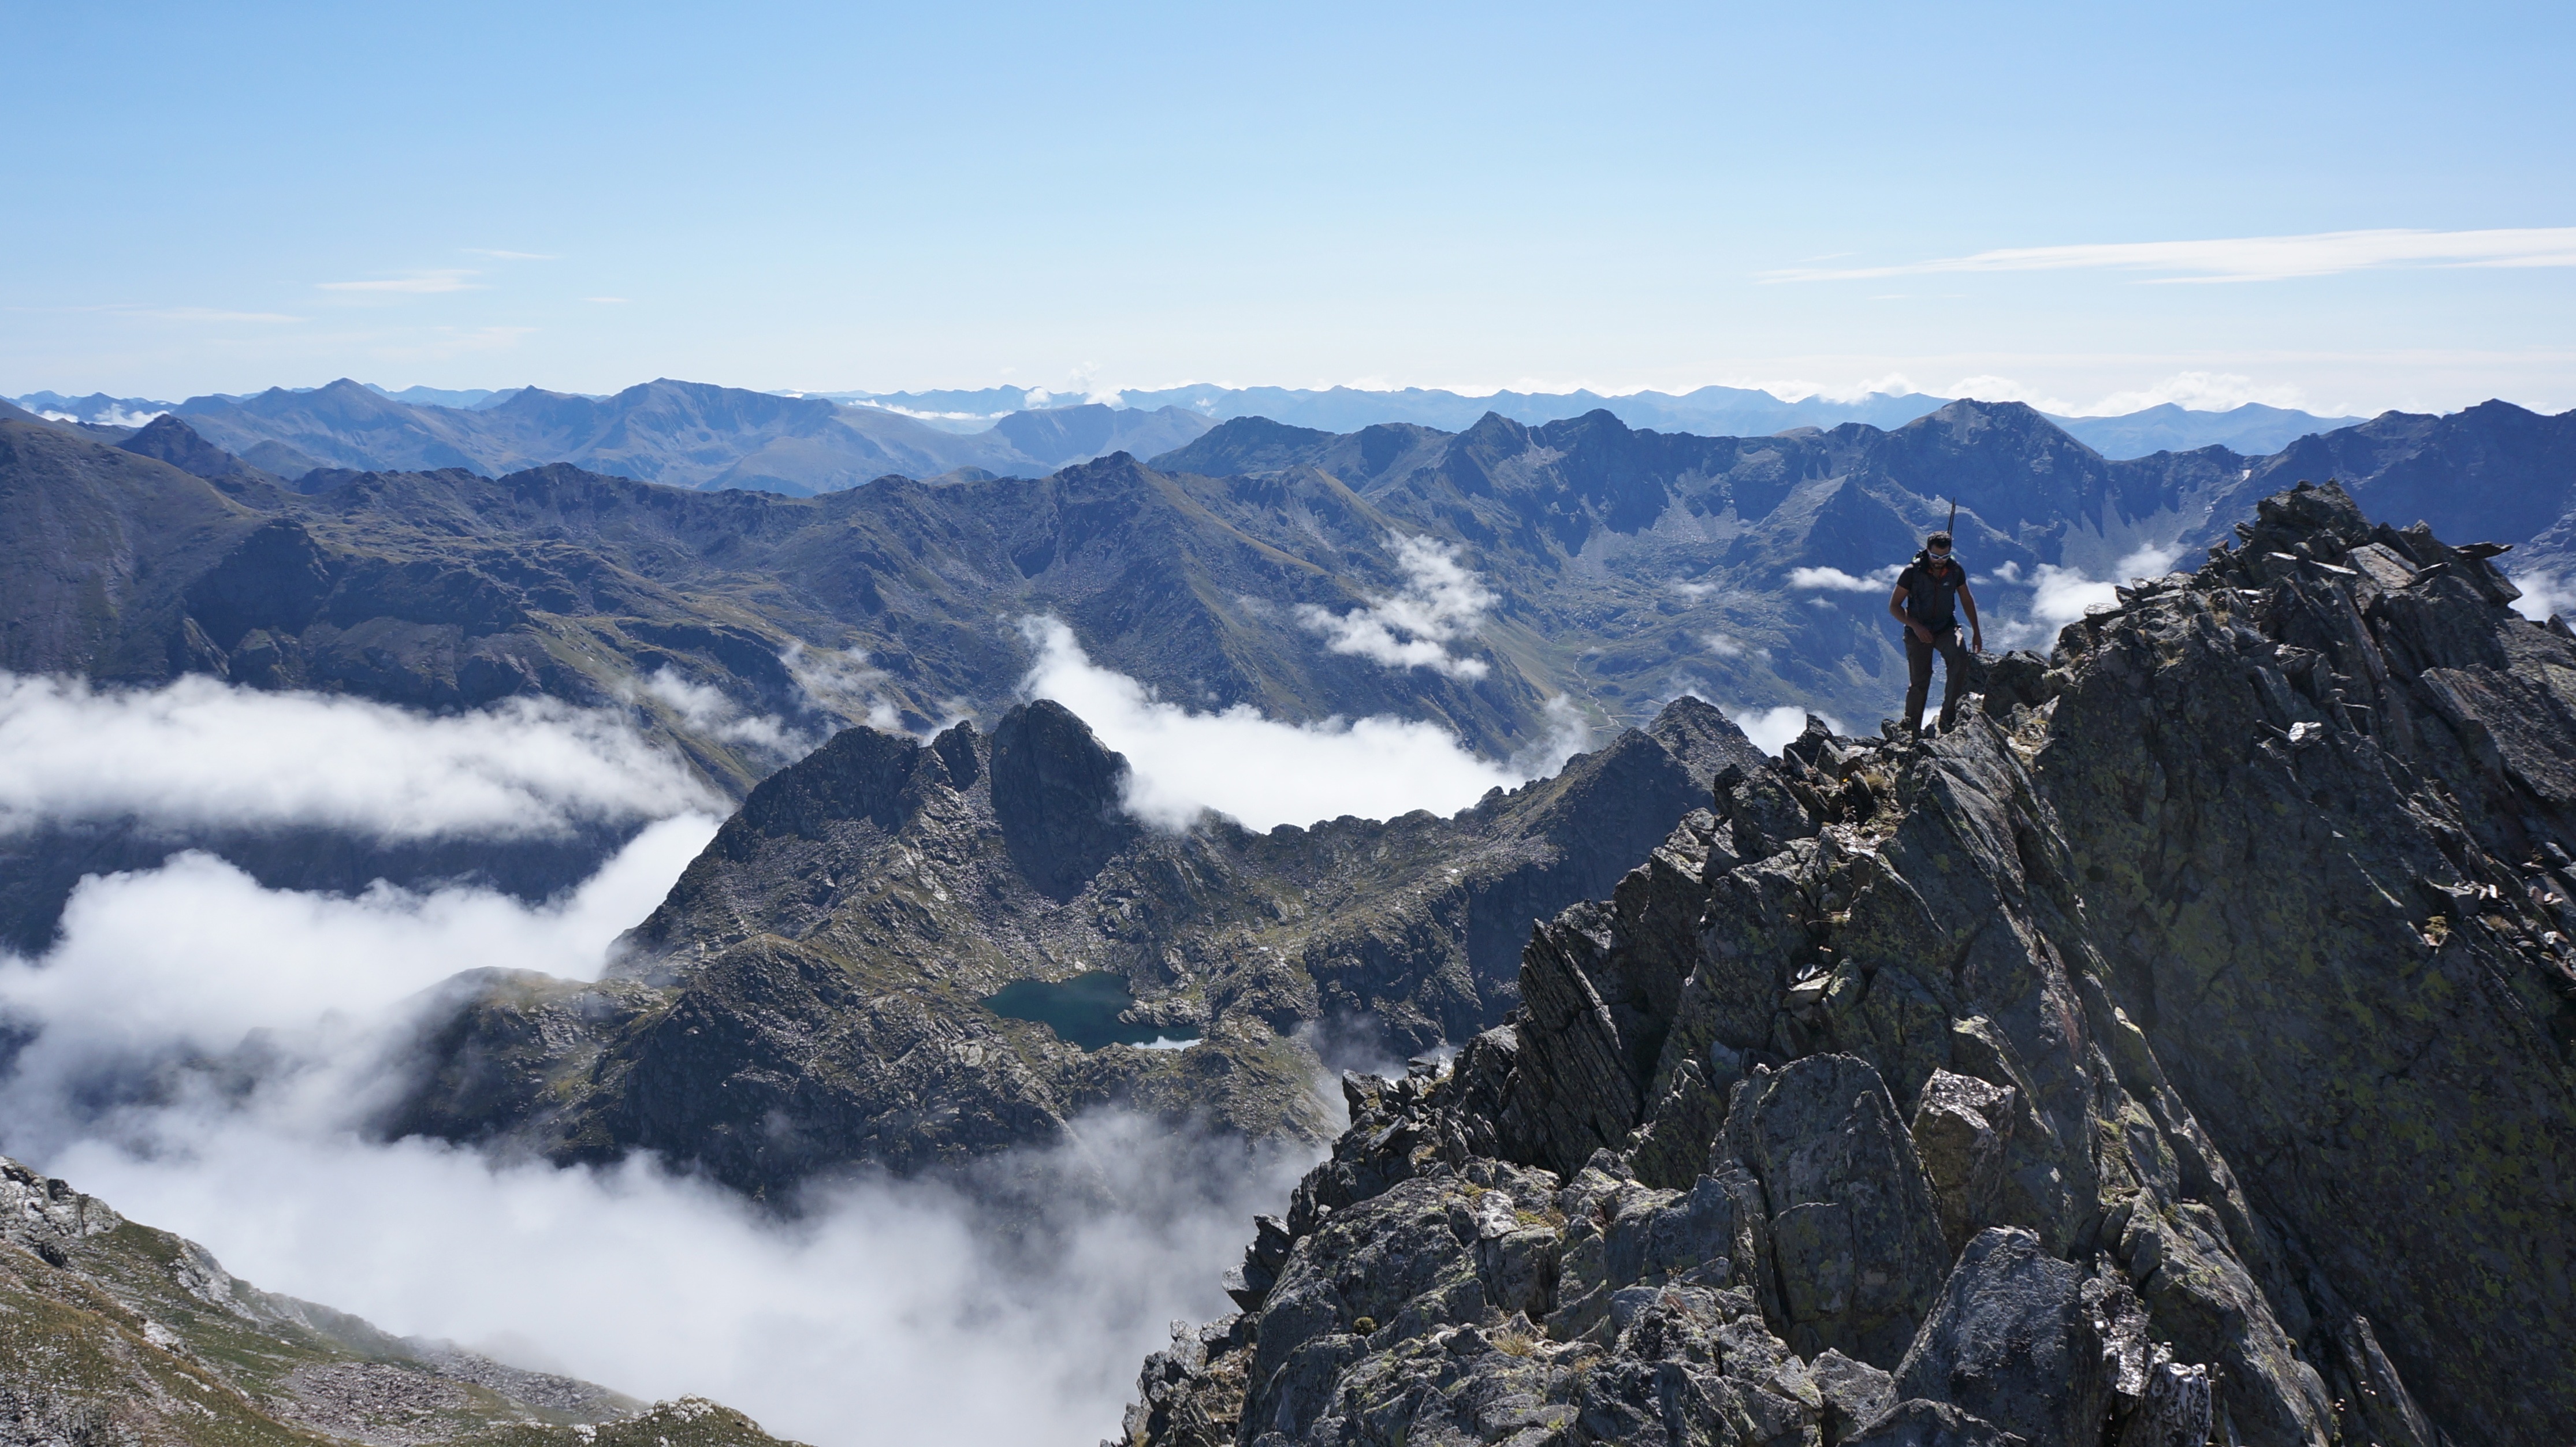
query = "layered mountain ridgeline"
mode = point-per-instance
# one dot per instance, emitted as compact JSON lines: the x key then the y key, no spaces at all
{"x":1623,"y":569}
{"x":1626,"y":567}
{"x":1710,"y":411}
{"x":113,"y":1333}
{"x":736,"y":626}
{"x":687,"y":434}
{"x":819,"y":991}
{"x":2183,"y":1049}
{"x":1048,"y":432}
{"x":2494,"y":471}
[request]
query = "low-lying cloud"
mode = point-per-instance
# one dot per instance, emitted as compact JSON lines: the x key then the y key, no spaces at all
{"x":199,"y":753}
{"x":2544,"y":594}
{"x":1771,"y":729}
{"x":842,"y":683}
{"x":1835,"y":580}
{"x":1264,"y":772}
{"x":1441,"y":602}
{"x":2061,"y":595}
{"x":704,"y":708}
{"x":203,"y":1053}
{"x":887,"y":1311}
{"x":191,"y":957}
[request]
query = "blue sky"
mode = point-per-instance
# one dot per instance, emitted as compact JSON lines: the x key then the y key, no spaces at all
{"x":221,"y":198}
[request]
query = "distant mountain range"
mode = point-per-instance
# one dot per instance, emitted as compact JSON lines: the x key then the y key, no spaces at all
{"x":686,"y":434}
{"x":1626,"y":566}
{"x":697,"y":435}
{"x":1708,"y":411}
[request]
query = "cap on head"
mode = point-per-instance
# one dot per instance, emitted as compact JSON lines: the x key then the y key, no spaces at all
{"x":1937,"y":540}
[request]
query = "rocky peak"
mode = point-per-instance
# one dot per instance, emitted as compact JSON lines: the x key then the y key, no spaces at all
{"x":2179,"y":1049}
{"x":1058,"y":794}
{"x":167,"y":439}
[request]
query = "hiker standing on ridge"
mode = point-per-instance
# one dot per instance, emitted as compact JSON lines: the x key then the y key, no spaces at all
{"x":1923,"y":602}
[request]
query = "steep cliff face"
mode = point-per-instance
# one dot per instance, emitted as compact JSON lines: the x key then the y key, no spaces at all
{"x":813,"y":993}
{"x":2185,"y":1045}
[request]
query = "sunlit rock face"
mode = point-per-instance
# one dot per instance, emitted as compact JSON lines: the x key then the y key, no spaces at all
{"x":815,"y":994}
{"x":2182,"y":1049}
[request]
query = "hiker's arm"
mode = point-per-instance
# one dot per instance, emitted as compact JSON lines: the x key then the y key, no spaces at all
{"x":1896,"y":610}
{"x":1976,"y":630}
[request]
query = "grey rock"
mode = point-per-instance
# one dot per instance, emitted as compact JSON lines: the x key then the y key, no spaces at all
{"x":1961,"y":1128}
{"x":1853,"y":1392}
{"x":1855,"y":1236}
{"x":1917,"y":1422}
{"x":2013,"y":1341}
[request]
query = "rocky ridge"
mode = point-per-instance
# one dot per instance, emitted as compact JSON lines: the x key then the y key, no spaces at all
{"x":2182,"y":1049}
{"x":113,"y":1333}
{"x":811,"y":995}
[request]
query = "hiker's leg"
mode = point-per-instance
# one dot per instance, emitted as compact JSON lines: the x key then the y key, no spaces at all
{"x":1954,"y":668}
{"x":1918,"y":681}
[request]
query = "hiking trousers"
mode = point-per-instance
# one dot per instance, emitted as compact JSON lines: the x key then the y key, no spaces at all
{"x":1918,"y":676}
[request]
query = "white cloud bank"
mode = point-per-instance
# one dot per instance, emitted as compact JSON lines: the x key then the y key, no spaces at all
{"x":196,"y":954}
{"x":882,"y":1315}
{"x":2249,"y":258}
{"x":1264,"y":772}
{"x":1441,"y":601}
{"x":199,"y":753}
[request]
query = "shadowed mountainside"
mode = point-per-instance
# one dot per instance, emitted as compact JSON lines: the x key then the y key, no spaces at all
{"x":2184,"y":1049}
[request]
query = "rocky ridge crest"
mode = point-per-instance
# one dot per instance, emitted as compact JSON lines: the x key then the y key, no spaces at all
{"x":2183,"y":1049}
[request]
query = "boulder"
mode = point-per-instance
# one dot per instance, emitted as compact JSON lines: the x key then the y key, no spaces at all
{"x":2014,"y":1341}
{"x":1855,"y":1236}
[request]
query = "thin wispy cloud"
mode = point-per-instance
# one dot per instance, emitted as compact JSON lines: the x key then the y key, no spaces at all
{"x":208,"y":314}
{"x":2249,"y":258}
{"x":418,"y":283}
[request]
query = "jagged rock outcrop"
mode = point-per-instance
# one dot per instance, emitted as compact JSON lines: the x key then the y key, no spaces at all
{"x":812,"y":996}
{"x":113,"y":1333}
{"x":2183,"y":1049}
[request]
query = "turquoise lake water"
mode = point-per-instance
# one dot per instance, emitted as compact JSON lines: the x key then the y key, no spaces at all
{"x":1081,"y":1011}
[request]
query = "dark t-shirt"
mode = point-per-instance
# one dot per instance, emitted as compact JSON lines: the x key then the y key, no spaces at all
{"x":1932,"y":599}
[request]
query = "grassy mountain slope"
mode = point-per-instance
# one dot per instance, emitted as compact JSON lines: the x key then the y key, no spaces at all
{"x":113,"y":1332}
